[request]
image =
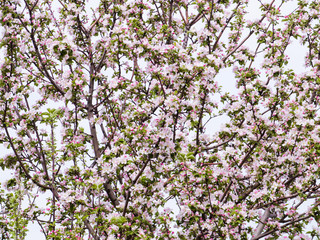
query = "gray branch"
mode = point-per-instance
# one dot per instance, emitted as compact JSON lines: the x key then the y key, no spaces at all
{"x":261,"y":224}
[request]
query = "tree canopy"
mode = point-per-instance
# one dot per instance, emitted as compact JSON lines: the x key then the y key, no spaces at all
{"x":109,"y":108}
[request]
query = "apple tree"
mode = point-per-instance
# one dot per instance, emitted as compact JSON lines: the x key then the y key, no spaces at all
{"x":110,"y":113}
